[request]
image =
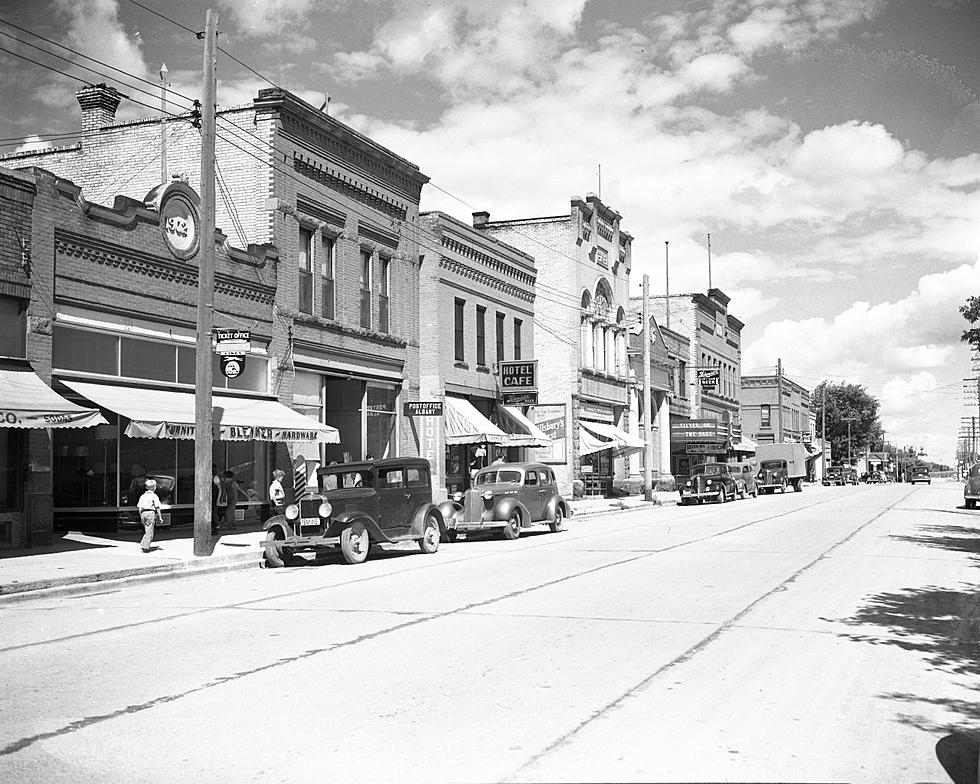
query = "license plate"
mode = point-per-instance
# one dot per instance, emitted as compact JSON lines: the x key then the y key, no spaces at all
{"x":310,"y":521}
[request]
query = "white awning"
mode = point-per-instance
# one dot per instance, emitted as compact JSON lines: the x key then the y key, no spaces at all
{"x":596,"y":436}
{"x":521,"y":430}
{"x":745,"y":445}
{"x":466,"y":425}
{"x":159,"y":413}
{"x":26,"y":401}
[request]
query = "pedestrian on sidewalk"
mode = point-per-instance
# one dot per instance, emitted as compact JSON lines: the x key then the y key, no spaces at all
{"x":277,"y":494}
{"x":228,"y":494}
{"x":149,"y":509}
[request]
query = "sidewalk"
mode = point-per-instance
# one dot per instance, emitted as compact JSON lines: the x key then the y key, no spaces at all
{"x":82,"y":563}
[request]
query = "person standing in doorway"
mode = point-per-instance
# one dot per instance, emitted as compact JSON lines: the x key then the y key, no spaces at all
{"x":277,"y":494}
{"x":227,"y":498}
{"x":149,"y":509}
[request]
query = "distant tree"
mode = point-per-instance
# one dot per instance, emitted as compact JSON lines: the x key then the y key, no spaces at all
{"x":847,"y":402}
{"x":971,"y":312}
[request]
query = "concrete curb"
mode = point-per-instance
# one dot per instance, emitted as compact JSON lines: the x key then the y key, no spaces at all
{"x":102,"y":581}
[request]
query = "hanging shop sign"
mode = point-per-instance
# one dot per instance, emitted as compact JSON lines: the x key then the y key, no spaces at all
{"x":709,"y":379}
{"x":705,"y":448}
{"x":232,"y":365}
{"x":422,"y":408}
{"x":232,"y":341}
{"x":519,"y":398}
{"x":698,"y":430}
{"x":519,"y":375}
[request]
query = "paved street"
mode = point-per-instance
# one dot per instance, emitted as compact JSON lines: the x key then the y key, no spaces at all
{"x":823,"y":636}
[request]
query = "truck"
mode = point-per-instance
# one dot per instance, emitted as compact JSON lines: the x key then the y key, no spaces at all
{"x":781,"y":466}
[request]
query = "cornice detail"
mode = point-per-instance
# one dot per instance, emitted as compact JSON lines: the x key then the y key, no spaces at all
{"x":484,"y":258}
{"x":348,"y":187}
{"x":486,"y":279}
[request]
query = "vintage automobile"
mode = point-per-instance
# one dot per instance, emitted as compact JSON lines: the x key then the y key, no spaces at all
{"x":834,"y":475}
{"x":850,"y":476}
{"x":359,"y":505}
{"x":709,"y":482}
{"x":508,"y":498}
{"x":745,"y":473}
{"x":920,"y":473}
{"x":971,"y":487}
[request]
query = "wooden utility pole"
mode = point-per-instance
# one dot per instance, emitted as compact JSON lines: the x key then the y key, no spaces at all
{"x":779,"y":400}
{"x":667,"y":266}
{"x":647,"y":401}
{"x":203,"y":419}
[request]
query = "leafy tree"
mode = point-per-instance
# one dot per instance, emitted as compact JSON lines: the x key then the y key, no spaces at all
{"x":971,"y":312}
{"x":847,"y":403}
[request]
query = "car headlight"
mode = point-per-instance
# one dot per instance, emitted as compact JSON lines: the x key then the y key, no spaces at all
{"x":487,"y":495}
{"x":292,"y":512}
{"x":457,"y":496}
{"x":708,"y":483}
{"x":688,"y":483}
{"x":325,"y":509}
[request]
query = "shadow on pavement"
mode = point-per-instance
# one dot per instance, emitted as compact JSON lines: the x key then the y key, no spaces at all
{"x":64,"y":544}
{"x":957,"y":538}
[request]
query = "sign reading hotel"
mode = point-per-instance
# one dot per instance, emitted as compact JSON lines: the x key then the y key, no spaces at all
{"x":519,"y":375}
{"x":709,"y":379}
{"x":698,"y":430}
{"x":422,"y":408}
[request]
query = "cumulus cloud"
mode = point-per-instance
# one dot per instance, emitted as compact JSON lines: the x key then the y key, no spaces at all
{"x":33,"y":144}
{"x":266,"y":17}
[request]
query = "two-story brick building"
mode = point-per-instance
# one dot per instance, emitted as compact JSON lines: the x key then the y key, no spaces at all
{"x":583,"y":262}
{"x":713,"y":429}
{"x":342,"y":211}
{"x":775,"y":409}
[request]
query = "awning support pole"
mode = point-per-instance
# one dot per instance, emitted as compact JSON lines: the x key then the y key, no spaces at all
{"x":647,"y":406}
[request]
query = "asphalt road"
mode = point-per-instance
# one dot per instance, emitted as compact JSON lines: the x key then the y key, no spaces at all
{"x":830,"y":635}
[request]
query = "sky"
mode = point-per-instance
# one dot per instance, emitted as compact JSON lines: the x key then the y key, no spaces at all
{"x":831,"y":148}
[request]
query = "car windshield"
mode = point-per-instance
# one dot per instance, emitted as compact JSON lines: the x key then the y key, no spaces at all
{"x":771,"y":465}
{"x":506,"y":476}
{"x":709,"y":469}
{"x":338,"y":479}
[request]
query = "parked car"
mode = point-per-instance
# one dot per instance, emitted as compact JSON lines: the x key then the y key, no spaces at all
{"x":358,"y":505}
{"x":745,"y":474}
{"x":507,"y":498}
{"x":920,"y":473}
{"x":971,"y":487}
{"x":834,"y":476}
{"x":850,"y":476}
{"x":709,"y":482}
{"x":781,"y":465}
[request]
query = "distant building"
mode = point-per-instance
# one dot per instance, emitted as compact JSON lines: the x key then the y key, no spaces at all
{"x":769,"y":417}
{"x":708,"y":379}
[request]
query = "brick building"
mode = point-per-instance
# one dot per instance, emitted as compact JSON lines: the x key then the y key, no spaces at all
{"x":342,"y":212}
{"x":485,"y":289}
{"x":711,"y":378}
{"x":583,"y":262}
{"x":110,"y":325}
{"x":773,"y":417}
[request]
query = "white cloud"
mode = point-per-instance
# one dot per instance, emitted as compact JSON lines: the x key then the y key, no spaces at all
{"x":33,"y":144}
{"x":266,"y":17}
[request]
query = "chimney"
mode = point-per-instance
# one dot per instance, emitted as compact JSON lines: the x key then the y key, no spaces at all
{"x":99,"y":104}
{"x":480,"y":219}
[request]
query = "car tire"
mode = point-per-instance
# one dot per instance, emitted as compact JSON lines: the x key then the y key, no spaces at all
{"x":722,"y":495}
{"x":559,"y":521}
{"x":782,"y":487}
{"x":429,"y":543}
{"x":355,"y":543}
{"x":272,"y":549}
{"x":755,"y":493}
{"x":971,"y":503}
{"x":450,"y":535}
{"x":512,"y":529}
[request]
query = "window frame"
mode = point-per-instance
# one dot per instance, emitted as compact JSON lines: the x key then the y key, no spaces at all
{"x":305,"y":261}
{"x":328,"y":278}
{"x":518,"y":325}
{"x":500,"y":326}
{"x":459,"y":345}
{"x":481,"y":336}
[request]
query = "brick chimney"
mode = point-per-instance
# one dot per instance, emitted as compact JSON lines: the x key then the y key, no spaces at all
{"x":99,"y":104}
{"x":480,"y":219}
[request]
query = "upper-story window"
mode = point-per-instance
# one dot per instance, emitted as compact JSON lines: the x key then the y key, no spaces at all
{"x":384,"y":301}
{"x":518,"y":326}
{"x":481,"y":335}
{"x":765,"y":419}
{"x":13,"y":327}
{"x":305,"y":270}
{"x":365,"y":286}
{"x":682,"y":378}
{"x":328,"y":304}
{"x":500,"y":337}
{"x":460,"y":346}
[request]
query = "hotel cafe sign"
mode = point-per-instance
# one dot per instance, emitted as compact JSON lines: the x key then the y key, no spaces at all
{"x":519,"y":382}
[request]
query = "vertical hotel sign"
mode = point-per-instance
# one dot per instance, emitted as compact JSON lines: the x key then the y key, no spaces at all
{"x":426,"y":421}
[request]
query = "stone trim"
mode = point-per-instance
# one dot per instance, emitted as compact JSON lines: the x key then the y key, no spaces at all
{"x":346,"y":186}
{"x":486,"y":279}
{"x":484,"y":258}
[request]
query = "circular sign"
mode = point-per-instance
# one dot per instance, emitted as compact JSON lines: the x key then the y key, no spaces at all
{"x":232,"y":365}
{"x":179,"y":223}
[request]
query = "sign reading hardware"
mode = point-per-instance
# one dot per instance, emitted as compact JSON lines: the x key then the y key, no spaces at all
{"x":423,"y":408}
{"x":519,"y":398}
{"x":705,"y":448}
{"x":519,"y":375}
{"x":709,"y":379}
{"x":232,"y":341}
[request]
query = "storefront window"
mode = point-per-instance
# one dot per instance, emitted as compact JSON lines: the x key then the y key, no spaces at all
{"x":92,"y":352}
{"x":13,"y":327}
{"x":147,"y":458}
{"x":381,"y":419}
{"x":13,"y":449}
{"x":146,"y":359}
{"x":84,"y":469}
{"x":344,"y":398}
{"x":247,"y":460}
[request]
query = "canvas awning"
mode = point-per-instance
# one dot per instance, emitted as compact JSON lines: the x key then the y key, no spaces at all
{"x":465,"y":425}
{"x":521,"y":430}
{"x":159,"y":413}
{"x":596,"y":436}
{"x":745,"y":445}
{"x":26,"y":401}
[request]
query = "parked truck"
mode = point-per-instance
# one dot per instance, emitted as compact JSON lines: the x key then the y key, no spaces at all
{"x":781,"y":466}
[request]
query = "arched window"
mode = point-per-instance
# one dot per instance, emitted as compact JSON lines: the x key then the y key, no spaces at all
{"x":586,"y":301}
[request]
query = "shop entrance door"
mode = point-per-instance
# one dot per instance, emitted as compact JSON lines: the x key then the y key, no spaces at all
{"x":598,"y":480}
